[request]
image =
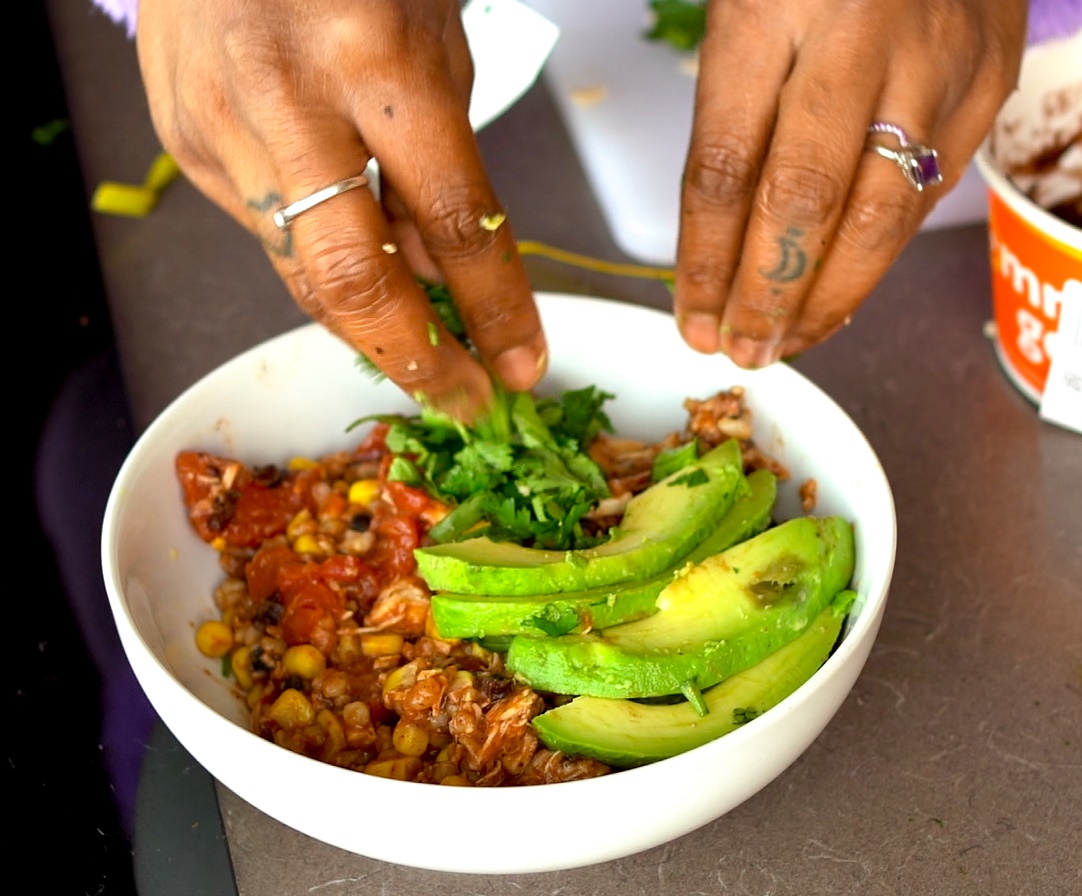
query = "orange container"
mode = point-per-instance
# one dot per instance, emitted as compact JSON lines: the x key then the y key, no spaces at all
{"x":1036,"y":256}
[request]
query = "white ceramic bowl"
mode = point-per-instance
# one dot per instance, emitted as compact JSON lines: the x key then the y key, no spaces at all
{"x":296,"y":394}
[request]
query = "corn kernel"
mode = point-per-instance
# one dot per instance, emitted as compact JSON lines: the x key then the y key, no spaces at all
{"x":364,"y":492}
{"x":403,"y":676}
{"x":462,"y":678}
{"x":431,"y":630}
{"x":402,"y":768}
{"x":242,"y":666}
{"x":302,"y":522}
{"x":218,"y":543}
{"x":254,"y":695}
{"x":291,"y":709}
{"x":307,"y":544}
{"x":409,"y":739}
{"x":336,"y":736}
{"x":302,"y":463}
{"x":381,"y":644}
{"x":214,"y":638}
{"x":304,"y":660}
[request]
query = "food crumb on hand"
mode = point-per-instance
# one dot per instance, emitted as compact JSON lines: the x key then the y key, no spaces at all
{"x":493,"y":222}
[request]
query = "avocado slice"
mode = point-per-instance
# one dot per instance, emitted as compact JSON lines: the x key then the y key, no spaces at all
{"x":481,"y":616}
{"x":715,"y":619}
{"x":624,"y":733}
{"x":660,"y":526}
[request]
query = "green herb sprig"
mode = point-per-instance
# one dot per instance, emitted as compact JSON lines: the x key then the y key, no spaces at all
{"x":679,"y":23}
{"x":519,"y":473}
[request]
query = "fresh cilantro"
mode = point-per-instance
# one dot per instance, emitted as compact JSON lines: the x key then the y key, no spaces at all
{"x":744,"y":714}
{"x":679,"y":23}
{"x":521,"y":473}
{"x":555,"y":620}
{"x":694,"y":696}
{"x":669,"y":461}
{"x":691,"y":478}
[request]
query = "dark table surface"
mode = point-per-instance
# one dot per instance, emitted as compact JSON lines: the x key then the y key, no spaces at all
{"x":955,"y":766}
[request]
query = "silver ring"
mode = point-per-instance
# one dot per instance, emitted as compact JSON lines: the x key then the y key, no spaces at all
{"x":284,"y":216}
{"x":919,"y":163}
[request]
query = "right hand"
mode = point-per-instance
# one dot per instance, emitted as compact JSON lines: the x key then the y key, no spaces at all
{"x":263,"y":102}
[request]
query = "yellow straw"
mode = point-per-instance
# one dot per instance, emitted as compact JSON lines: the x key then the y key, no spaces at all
{"x":618,"y":269}
{"x":136,"y":200}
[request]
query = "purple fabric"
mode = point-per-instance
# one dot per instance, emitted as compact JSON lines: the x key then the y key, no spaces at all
{"x":1050,"y":19}
{"x":88,"y":425}
{"x":120,"y":11}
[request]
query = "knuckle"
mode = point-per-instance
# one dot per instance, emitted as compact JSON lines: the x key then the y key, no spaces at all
{"x":709,"y":279}
{"x":802,"y":194}
{"x":454,"y":230}
{"x":879,"y":222}
{"x":342,"y":281}
{"x":721,"y":171}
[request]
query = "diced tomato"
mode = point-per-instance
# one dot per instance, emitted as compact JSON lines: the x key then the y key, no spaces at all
{"x":311,"y":616}
{"x":262,"y":570}
{"x":335,"y":505}
{"x":397,"y":536}
{"x":264,"y":511}
{"x":227,"y":500}
{"x":408,"y":499}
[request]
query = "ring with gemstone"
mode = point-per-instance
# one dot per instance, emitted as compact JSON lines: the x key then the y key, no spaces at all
{"x":284,"y":216}
{"x":919,"y":163}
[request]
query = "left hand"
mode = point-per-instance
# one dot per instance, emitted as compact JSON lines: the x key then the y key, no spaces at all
{"x":787,"y":221}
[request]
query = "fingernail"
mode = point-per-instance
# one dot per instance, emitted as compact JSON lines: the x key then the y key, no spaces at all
{"x":752,"y":353}
{"x":520,"y":368}
{"x":700,"y":330}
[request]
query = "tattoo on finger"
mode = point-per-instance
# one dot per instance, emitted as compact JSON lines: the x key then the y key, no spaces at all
{"x":277,"y":242}
{"x":792,"y":259}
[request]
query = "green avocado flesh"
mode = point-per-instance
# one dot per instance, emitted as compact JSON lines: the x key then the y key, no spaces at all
{"x":660,"y":526}
{"x":480,"y":616}
{"x":717,"y":618}
{"x":623,"y":733}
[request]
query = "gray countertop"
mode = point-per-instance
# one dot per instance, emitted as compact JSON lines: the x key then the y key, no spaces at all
{"x":955,"y":766}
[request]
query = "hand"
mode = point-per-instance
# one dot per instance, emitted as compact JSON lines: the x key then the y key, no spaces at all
{"x":787,"y":222}
{"x":263,"y":102}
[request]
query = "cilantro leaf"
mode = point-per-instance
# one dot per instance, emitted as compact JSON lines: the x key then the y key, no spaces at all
{"x":555,"y":620}
{"x":521,"y":473}
{"x":679,"y":23}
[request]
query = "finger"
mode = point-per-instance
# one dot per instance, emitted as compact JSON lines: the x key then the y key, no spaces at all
{"x":446,"y":194}
{"x":883,"y":209}
{"x":815,"y":151}
{"x":729,"y":141}
{"x":406,"y":234}
{"x":340,"y":262}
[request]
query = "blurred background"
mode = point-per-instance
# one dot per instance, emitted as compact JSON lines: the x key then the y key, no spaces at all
{"x":66,"y":818}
